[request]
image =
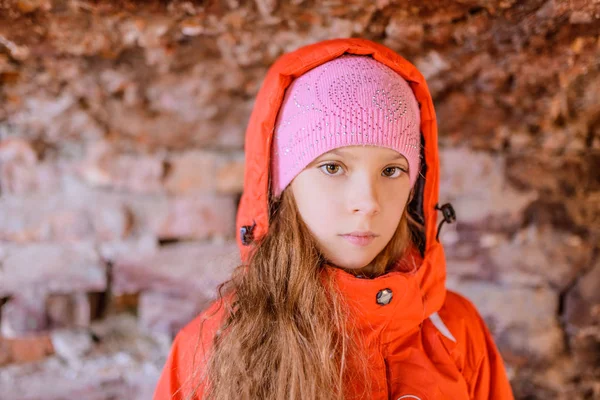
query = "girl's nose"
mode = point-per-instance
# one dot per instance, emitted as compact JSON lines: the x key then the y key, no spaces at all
{"x":363,"y":197}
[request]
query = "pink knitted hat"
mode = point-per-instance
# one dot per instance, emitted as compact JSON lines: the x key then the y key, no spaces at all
{"x":351,"y":100}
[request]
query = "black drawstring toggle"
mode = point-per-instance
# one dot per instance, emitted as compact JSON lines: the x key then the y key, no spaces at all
{"x":448,"y":214}
{"x":247,"y":234}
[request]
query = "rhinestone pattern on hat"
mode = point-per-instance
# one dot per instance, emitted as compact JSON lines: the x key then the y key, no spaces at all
{"x":351,"y":100}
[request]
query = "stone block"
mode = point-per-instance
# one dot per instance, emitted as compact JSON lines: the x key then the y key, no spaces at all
{"x":541,"y":256}
{"x":205,"y":171}
{"x":166,"y":313}
{"x":62,"y":217}
{"x":68,"y":310}
{"x":71,"y":344}
{"x":51,"y":268}
{"x":523,"y":319}
{"x":185,"y":217}
{"x":193,"y":171}
{"x":230,"y":174}
{"x":24,"y":315}
{"x":131,"y":246}
{"x":493,"y":201}
{"x":182,"y":269}
{"x":582,"y":319}
{"x":124,"y":364}
{"x":104,"y":167}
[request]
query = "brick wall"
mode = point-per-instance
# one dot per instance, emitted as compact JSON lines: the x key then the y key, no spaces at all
{"x":121,"y":165}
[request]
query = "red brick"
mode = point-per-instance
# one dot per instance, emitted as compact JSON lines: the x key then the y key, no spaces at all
{"x":124,"y":303}
{"x":27,"y":349}
{"x":5,"y":355}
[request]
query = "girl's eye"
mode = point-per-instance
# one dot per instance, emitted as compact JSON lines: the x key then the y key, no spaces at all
{"x":392,"y":172}
{"x":330,"y":169}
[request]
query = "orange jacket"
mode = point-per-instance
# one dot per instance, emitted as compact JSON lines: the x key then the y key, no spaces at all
{"x":428,"y":342}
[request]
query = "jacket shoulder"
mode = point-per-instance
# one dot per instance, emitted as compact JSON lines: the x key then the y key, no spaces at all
{"x":473,"y":348}
{"x":460,"y":304}
{"x":465,"y":325}
{"x":205,"y":324}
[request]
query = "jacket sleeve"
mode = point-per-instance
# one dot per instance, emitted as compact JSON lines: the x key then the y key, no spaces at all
{"x":176,"y":380}
{"x":182,"y":374}
{"x":474,"y":350}
{"x":489,"y":379}
{"x":170,"y":379}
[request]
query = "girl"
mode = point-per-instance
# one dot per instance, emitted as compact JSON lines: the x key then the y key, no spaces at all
{"x":341,"y":294}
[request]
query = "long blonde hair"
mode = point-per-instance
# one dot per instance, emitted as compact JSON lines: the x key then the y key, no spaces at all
{"x":286,"y":334}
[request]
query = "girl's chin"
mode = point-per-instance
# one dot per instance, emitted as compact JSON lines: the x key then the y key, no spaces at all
{"x":351,"y":265}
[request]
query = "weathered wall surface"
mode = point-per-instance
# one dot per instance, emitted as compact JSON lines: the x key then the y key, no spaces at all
{"x":121,"y":164}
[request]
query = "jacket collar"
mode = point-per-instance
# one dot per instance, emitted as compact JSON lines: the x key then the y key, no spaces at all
{"x":404,"y":311}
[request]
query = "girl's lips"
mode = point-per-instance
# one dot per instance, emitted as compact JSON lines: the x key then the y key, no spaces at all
{"x":359,"y":240}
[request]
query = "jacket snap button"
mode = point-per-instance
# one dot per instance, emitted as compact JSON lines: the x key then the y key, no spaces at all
{"x":384,"y":297}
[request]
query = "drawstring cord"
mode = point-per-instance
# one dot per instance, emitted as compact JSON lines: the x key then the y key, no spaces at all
{"x":448,"y":214}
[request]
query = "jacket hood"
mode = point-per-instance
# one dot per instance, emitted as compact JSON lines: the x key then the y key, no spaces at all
{"x":253,"y":215}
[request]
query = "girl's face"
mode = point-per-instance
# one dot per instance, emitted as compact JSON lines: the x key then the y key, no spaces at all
{"x":352,"y":199}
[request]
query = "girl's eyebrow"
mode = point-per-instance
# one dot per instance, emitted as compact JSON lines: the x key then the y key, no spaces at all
{"x":350,"y":156}
{"x":397,"y":157}
{"x":334,"y":152}
{"x":339,"y":153}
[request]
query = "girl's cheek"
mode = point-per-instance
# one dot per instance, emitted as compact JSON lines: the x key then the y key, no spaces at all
{"x":332,"y":197}
{"x":324,"y":187}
